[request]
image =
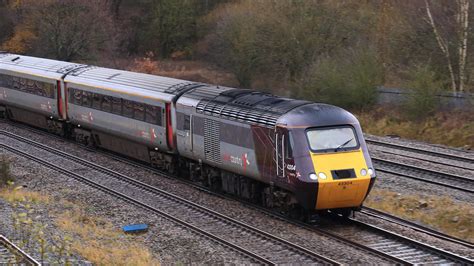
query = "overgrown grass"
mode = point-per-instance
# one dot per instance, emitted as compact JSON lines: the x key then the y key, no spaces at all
{"x":18,"y":195}
{"x":441,"y":213}
{"x":101,"y":243}
{"x":453,"y":129}
{"x":91,"y":237}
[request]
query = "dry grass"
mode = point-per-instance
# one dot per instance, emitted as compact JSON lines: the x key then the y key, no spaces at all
{"x":94,"y":238}
{"x":453,"y":129}
{"x":99,"y":242}
{"x":14,"y":195}
{"x":441,"y":213}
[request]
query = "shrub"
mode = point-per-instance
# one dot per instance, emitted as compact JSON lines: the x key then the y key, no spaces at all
{"x":424,"y":86}
{"x":5,"y":176}
{"x":348,"y":80}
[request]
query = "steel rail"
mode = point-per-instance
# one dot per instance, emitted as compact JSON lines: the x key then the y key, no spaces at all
{"x":291,"y":246}
{"x":20,"y":256}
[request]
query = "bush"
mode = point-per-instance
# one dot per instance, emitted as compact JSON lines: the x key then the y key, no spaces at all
{"x":348,"y":80}
{"x":5,"y":175}
{"x":424,"y":86}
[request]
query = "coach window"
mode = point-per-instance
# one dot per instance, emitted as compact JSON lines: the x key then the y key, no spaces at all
{"x":106,"y":104}
{"x":96,"y":101}
{"x":77,"y":97}
{"x":139,"y":113}
{"x":50,"y":89}
{"x":151,"y":113}
{"x":16,"y":83}
{"x":116,"y":105}
{"x":127,"y":108}
{"x":86,"y":99}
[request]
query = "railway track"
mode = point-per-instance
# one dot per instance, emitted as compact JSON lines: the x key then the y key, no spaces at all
{"x":10,"y":254}
{"x":409,"y":250}
{"x":465,"y":184}
{"x":256,"y":246}
{"x":457,"y":161}
{"x":415,"y":226}
{"x":391,"y":246}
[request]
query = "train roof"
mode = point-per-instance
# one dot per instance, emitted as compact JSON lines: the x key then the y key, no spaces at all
{"x":34,"y":66}
{"x":127,"y":82}
{"x":242,"y":104}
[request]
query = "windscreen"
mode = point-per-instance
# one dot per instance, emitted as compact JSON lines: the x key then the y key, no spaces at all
{"x":332,"y":139}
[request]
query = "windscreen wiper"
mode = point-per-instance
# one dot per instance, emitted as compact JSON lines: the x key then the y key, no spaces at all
{"x":343,"y":144}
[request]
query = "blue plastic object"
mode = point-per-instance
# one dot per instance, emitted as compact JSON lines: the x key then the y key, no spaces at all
{"x":135,"y":228}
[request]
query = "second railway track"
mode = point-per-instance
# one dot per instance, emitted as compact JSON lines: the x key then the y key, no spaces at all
{"x":462,"y":183}
{"x":256,"y":245}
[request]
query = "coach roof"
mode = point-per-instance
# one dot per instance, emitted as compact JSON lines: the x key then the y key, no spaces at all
{"x":39,"y":67}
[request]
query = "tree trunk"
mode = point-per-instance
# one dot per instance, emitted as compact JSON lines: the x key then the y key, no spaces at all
{"x":464,"y":24}
{"x":442,"y":45}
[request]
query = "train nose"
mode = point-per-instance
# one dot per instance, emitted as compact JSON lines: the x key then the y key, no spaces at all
{"x":343,"y":179}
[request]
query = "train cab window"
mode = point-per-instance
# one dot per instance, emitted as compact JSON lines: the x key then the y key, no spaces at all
{"x":127,"y":108}
{"x":86,"y":99}
{"x":116,"y":105}
{"x":139,"y":111}
{"x":106,"y":104}
{"x":96,"y":101}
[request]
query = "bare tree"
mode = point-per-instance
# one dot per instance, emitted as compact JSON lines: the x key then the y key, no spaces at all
{"x":462,"y":20}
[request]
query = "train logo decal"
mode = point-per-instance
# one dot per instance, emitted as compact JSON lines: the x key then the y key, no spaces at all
{"x":242,"y":161}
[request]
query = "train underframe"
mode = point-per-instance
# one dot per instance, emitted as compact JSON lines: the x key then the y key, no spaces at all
{"x":217,"y":180}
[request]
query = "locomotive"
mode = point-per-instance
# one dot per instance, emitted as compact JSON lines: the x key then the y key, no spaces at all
{"x":293,"y":155}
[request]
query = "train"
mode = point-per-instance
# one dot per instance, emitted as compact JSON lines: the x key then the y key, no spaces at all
{"x":295,"y":156}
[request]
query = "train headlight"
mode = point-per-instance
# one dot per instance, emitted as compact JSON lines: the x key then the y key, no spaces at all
{"x":371,"y":171}
{"x":313,"y":176}
{"x":322,"y":175}
{"x":363,"y":172}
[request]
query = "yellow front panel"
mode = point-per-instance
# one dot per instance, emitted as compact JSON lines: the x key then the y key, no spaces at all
{"x":342,"y":193}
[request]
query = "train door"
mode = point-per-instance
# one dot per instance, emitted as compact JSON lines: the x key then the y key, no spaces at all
{"x":280,"y":151}
{"x":187,"y":132}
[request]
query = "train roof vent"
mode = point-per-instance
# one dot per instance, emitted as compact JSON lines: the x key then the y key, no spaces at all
{"x":69,"y":68}
{"x":179,"y":89}
{"x":78,"y":71}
